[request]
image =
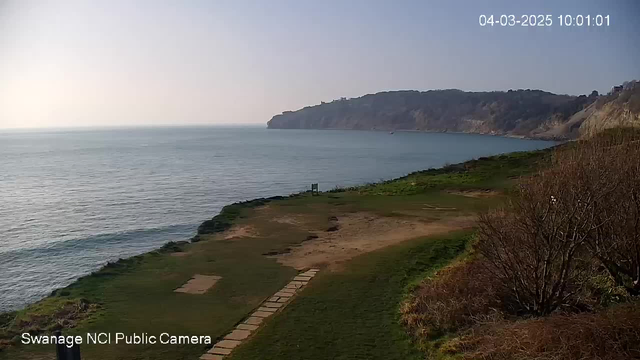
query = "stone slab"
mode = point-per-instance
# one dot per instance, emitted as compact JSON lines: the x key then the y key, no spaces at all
{"x":211,"y":357}
{"x":238,"y":335}
{"x":198,"y":284}
{"x":253,"y":320}
{"x":219,"y":351}
{"x":227,"y":344}
{"x":283,"y":300}
{"x":247,"y":327}
{"x":272,"y":305}
{"x":261,"y":314}
{"x":275,"y":298}
{"x":316,"y":270}
{"x":301,"y":278}
{"x":282,"y":294}
{"x":262,"y":308}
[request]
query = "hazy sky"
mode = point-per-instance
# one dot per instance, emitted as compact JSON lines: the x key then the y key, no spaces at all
{"x":159,"y":62}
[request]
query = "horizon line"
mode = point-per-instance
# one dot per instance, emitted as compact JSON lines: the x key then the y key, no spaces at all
{"x":134,"y":126}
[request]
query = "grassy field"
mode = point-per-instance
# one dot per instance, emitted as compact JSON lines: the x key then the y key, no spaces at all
{"x":350,"y":314}
{"x":354,"y":314}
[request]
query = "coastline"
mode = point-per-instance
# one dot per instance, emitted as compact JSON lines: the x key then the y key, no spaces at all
{"x":497,"y":134}
{"x":222,"y":222}
{"x":188,"y":234}
{"x":122,"y":288}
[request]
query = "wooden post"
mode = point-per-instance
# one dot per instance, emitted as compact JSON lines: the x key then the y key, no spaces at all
{"x":65,"y":353}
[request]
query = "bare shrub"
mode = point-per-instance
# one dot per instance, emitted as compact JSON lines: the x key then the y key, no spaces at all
{"x":607,"y":335}
{"x":458,"y":296}
{"x":532,"y":245}
{"x":589,"y":199}
{"x":616,"y":244}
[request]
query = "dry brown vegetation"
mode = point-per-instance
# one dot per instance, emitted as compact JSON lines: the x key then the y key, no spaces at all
{"x":457,"y":296}
{"x":564,"y":247}
{"x":606,"y":335}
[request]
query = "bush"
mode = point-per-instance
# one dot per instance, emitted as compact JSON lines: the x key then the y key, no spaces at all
{"x":607,"y":335}
{"x":459,"y":296}
{"x":616,"y":241}
{"x":586,"y":204}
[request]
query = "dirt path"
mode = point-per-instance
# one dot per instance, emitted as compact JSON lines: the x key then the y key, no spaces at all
{"x":359,"y":233}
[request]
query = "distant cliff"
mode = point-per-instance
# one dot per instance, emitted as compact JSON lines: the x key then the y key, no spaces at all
{"x":526,"y":113}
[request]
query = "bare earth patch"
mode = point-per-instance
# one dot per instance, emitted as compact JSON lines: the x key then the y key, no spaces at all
{"x":478,"y":194}
{"x":364,"y":232}
{"x":198,"y":284}
{"x":240,"y":231}
{"x":286,"y":220}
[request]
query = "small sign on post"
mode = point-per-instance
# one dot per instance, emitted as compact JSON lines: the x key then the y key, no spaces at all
{"x":314,"y":189}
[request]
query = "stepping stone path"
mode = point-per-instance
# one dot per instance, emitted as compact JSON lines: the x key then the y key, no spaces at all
{"x":275,"y":303}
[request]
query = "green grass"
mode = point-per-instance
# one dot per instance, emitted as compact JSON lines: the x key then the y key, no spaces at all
{"x":496,"y":172}
{"x":353,"y":314}
{"x":137,"y":296}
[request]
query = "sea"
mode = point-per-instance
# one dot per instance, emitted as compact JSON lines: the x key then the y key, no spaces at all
{"x":73,"y":199}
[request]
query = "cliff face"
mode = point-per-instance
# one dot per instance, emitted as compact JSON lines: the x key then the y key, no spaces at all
{"x":527,"y":113}
{"x":621,"y":109}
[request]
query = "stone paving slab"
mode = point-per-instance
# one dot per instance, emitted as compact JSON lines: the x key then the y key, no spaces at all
{"x":275,"y":298}
{"x":247,"y":327}
{"x":282,"y":294}
{"x":238,"y":335}
{"x":301,"y":278}
{"x":283,"y":300}
{"x":219,"y":351}
{"x":272,"y":305}
{"x":227,"y":344}
{"x":262,"y":308}
{"x":262,"y":314}
{"x":253,"y":320}
{"x":198,"y":284}
{"x":211,"y":357}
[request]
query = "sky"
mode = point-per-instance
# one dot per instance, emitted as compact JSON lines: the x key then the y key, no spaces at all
{"x":84,"y":63}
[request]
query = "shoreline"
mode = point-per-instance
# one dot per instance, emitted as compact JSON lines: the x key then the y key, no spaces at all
{"x":270,"y":247}
{"x":503,"y":135}
{"x":224,"y":219}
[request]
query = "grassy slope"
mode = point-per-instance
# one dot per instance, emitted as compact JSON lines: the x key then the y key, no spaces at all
{"x":136,"y":295}
{"x":353,"y":314}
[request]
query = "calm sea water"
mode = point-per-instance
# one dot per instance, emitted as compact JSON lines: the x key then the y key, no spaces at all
{"x":72,"y":200}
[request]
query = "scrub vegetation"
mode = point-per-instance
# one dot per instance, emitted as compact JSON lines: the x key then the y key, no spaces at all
{"x":553,"y":272}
